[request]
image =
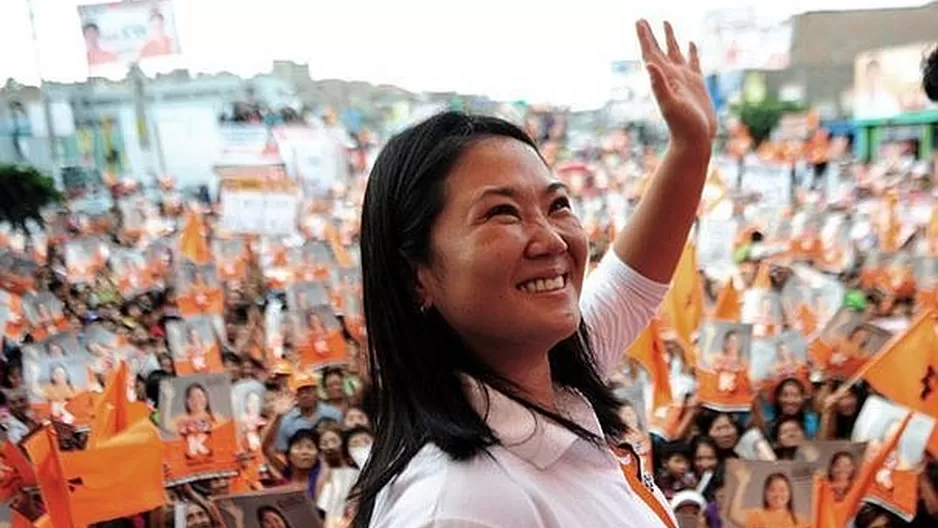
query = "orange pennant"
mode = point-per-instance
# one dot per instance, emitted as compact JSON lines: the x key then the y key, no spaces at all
{"x":193,"y":242}
{"x":684,"y":303}
{"x":648,"y":349}
{"x":728,"y":306}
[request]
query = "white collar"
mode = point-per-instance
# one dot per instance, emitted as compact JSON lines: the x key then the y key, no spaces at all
{"x":523,"y":432}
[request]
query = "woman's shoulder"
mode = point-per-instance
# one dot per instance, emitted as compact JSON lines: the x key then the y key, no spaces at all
{"x":434,"y":490}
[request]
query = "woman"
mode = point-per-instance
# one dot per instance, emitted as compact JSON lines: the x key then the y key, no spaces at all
{"x":778,"y":506}
{"x":195,"y":350}
{"x":841,"y":471}
{"x":472,"y":263}
{"x":334,"y":381}
{"x":302,"y":465}
{"x":336,"y":480}
{"x":196,"y":424}
{"x":705,"y":456}
{"x":270,"y":517}
{"x":791,"y":402}
{"x":252,"y":421}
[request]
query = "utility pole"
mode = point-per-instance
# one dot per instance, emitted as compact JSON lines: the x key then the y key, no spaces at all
{"x":44,"y":94}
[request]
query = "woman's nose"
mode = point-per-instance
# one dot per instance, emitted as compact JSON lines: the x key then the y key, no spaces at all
{"x":545,"y":241}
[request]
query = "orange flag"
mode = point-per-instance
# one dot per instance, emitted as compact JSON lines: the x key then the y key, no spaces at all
{"x":727,"y":307}
{"x":831,"y":514}
{"x":16,"y":471}
{"x":684,"y":304}
{"x":912,"y":359}
{"x":43,"y":449}
{"x":193,"y":243}
{"x":98,"y":477}
{"x":113,"y":410}
{"x":648,"y":349}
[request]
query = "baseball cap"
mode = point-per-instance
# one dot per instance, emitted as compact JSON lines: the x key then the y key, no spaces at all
{"x":687,"y":498}
{"x":302,"y":380}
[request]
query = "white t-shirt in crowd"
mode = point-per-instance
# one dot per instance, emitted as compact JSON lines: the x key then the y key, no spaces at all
{"x":541,"y":475}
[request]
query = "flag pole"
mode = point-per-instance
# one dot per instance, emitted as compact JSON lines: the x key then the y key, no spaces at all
{"x":44,"y":92}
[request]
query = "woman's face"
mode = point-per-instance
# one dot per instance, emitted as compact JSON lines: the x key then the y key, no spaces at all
{"x":790,"y":434}
{"x":59,"y":376}
{"x":507,"y":254}
{"x":330,"y":443}
{"x":705,"y":459}
{"x":723,"y":432}
{"x":790,"y":399}
{"x":629,"y":417}
{"x":270,"y":519}
{"x":334,"y":388}
{"x":777,"y":495}
{"x":303,"y":454}
{"x":847,"y":405}
{"x":197,"y":401}
{"x":355,"y":417}
{"x":843,"y":469}
{"x":197,"y":517}
{"x":731,"y":345}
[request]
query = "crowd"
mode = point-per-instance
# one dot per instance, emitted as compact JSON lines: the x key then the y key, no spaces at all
{"x":765,"y":390}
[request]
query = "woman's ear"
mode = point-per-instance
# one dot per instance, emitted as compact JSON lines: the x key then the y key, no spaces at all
{"x":423,"y":286}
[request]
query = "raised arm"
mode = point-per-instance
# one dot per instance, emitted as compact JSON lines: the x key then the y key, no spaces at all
{"x":656,"y":234}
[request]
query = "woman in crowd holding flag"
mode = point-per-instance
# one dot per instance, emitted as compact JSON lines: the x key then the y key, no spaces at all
{"x":487,"y":347}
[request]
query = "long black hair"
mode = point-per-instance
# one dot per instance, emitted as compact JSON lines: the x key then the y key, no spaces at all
{"x":416,"y":360}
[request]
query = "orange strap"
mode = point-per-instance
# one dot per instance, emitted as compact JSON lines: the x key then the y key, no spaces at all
{"x":642,"y":484}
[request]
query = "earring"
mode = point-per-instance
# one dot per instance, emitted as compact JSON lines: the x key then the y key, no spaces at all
{"x":425,"y":307}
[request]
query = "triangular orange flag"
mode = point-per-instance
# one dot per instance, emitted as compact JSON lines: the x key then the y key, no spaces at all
{"x":727,"y":307}
{"x":684,"y":303}
{"x":99,"y":476}
{"x":43,"y":449}
{"x":193,"y":242}
{"x":648,"y":350}
{"x":911,"y":357}
{"x":831,"y":514}
{"x":113,"y":410}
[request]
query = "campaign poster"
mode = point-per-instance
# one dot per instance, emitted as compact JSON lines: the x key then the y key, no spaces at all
{"x":723,"y":366}
{"x":763,"y":493}
{"x":195,"y":343}
{"x":56,"y":372}
{"x":122,"y":33}
{"x":283,"y":507}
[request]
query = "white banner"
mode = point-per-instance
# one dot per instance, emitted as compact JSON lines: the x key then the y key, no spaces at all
{"x":259,"y":212}
{"x":126,"y":32}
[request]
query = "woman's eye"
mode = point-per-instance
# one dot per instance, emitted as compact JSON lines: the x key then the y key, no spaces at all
{"x":502,"y":210}
{"x":560,"y":204}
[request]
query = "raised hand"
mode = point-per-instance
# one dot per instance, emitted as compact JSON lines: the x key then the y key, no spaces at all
{"x":679,"y":88}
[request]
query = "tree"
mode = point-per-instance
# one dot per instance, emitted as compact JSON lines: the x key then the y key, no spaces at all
{"x":762,"y":117}
{"x":24,"y":192}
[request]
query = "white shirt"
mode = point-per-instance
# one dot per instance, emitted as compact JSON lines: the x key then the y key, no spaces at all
{"x":541,"y":475}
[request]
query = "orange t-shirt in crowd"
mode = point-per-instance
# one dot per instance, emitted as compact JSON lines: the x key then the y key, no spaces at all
{"x":759,"y":518}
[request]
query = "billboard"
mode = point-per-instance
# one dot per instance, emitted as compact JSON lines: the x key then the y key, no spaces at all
{"x":744,"y":39}
{"x":888,"y":82}
{"x":126,"y":32}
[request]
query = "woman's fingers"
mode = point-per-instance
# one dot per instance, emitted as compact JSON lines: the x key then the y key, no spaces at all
{"x":674,"y":50}
{"x":659,"y":84}
{"x":694,"y":58}
{"x":651,"y":51}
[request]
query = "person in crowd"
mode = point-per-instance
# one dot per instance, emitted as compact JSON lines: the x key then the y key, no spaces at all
{"x":470,"y":247}
{"x":305,"y":414}
{"x":333,"y":379}
{"x":789,"y":435}
{"x":675,"y":474}
{"x":355,"y":417}
{"x":338,"y":476}
{"x":790,"y":401}
{"x":704,"y":452}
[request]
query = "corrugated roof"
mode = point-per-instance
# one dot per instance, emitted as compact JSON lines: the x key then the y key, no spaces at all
{"x":836,"y":37}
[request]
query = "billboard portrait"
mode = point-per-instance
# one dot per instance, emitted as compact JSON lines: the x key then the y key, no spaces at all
{"x":126,"y":32}
{"x":888,"y":82}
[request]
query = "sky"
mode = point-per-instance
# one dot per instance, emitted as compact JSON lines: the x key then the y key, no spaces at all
{"x":556,"y":51}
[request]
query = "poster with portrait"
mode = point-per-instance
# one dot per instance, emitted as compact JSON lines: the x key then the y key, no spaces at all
{"x":273,"y":332}
{"x":778,"y":358}
{"x":159,"y":257}
{"x":763,"y":310}
{"x":197,"y":428}
{"x":820,"y":293}
{"x":106,"y":350}
{"x":17,"y":274}
{"x":233,"y":258}
{"x":45,"y":315}
{"x":280,"y":257}
{"x":633,"y":411}
{"x":55,"y":372}
{"x":895,"y":484}
{"x":837,"y":461}
{"x":806,"y":237}
{"x":723,"y":366}
{"x":195,"y":343}
{"x":345,"y":287}
{"x":84,"y":259}
{"x":282,"y":507}
{"x":837,"y":251}
{"x":131,"y":273}
{"x":837,"y":351}
{"x":762,"y":493}
{"x":13,"y":323}
{"x":317,"y":262}
{"x":198,"y":290}
{"x":121,"y":33}
{"x":139,"y":216}
{"x":305,"y":295}
{"x":247,"y":401}
{"x":319,"y":338}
